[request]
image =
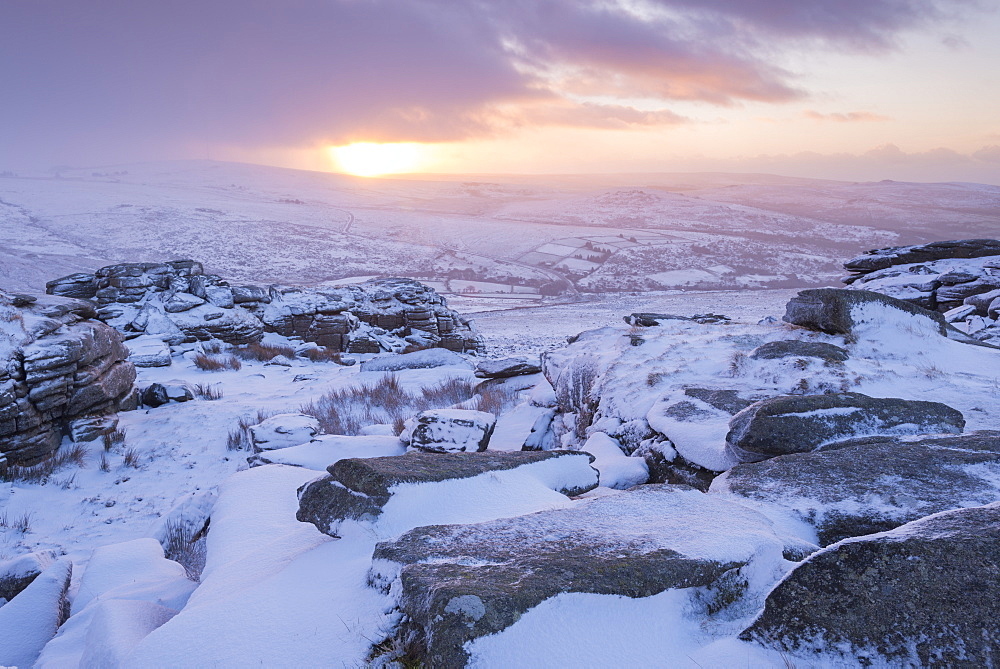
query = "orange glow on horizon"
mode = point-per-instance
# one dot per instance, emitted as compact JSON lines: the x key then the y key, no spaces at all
{"x":371,"y":159}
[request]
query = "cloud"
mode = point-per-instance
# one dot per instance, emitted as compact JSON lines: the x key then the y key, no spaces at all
{"x":119,"y":78}
{"x":844,"y":117}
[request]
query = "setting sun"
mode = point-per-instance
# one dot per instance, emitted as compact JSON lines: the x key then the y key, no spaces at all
{"x":368,"y":159}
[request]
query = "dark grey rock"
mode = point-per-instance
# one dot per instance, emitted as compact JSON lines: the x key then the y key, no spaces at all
{"x":18,"y":573}
{"x":924,"y":594}
{"x":793,"y":348}
{"x":831,"y":309}
{"x":507,"y":367}
{"x":863,"y":486}
{"x":802,"y":423}
{"x":154,"y":395}
{"x":904,"y":255}
{"x":729,"y":401}
{"x":461,"y":582}
{"x":358,"y":488}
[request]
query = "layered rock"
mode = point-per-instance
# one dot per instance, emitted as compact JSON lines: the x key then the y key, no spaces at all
{"x":177,"y":302}
{"x":802,"y":423}
{"x":945,"y":276}
{"x":921,"y":595}
{"x":874,"y":484}
{"x":57,"y":363}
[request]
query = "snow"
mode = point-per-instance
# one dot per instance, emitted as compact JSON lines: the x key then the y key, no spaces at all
{"x":327,"y":449}
{"x":29,"y":621}
{"x":617,"y":469}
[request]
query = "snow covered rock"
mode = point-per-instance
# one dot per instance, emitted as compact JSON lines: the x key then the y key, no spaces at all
{"x":426,"y":359}
{"x":457,"y":583}
{"x":793,"y":348}
{"x":839,"y":311}
{"x":18,"y":573}
{"x":617,"y":470}
{"x":870,"y":485}
{"x":903,"y":255}
{"x":360,"y":489}
{"x":32,"y":618}
{"x":323,"y":451}
{"x":91,"y":427}
{"x":148,"y":351}
{"x":450,"y":430}
{"x":802,"y":423}
{"x":283,"y":430}
{"x":507,"y":367}
{"x":56,"y":364}
{"x":924,"y":594}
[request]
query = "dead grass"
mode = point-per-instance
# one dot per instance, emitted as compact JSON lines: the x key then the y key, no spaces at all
{"x":40,"y":473}
{"x":131,"y":458}
{"x":114,"y":440}
{"x":323,"y":354}
{"x":216,"y":363}
{"x":348,"y":410}
{"x":496,"y":399}
{"x":207,"y":391}
{"x":263,"y":352}
{"x":186,"y":546}
{"x":20,"y":524}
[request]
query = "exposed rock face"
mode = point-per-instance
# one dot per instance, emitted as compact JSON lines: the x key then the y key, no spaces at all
{"x":904,"y":255}
{"x":451,"y":430}
{"x":947,"y":276}
{"x":871,"y":485}
{"x":18,"y":573}
{"x":177,"y":302}
{"x":793,"y":348}
{"x":802,"y":423}
{"x":56,"y":364}
{"x":837,"y":311}
{"x":924,"y":594}
{"x":358,"y":488}
{"x":506,"y":368}
{"x":460,"y":582}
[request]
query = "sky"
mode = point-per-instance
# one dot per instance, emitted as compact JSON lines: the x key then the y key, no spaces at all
{"x":842,"y":89}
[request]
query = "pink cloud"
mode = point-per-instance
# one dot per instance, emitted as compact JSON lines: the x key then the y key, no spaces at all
{"x":845,"y":117}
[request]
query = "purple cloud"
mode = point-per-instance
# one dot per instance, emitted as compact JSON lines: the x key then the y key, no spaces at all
{"x":118,"y":78}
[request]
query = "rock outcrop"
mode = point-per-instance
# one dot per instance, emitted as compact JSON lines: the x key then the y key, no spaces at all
{"x":871,"y":485}
{"x":450,"y":430}
{"x":461,"y":582}
{"x":177,"y":302}
{"x":802,"y":423}
{"x":960,"y":278}
{"x":924,"y":595}
{"x":358,"y":489}
{"x":57,"y":363}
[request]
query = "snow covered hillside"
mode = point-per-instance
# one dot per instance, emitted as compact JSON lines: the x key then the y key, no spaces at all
{"x":514,"y":239}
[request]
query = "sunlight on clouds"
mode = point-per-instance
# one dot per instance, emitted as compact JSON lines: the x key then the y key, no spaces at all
{"x":370,"y":159}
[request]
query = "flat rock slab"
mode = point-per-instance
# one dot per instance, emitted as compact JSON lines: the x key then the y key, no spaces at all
{"x":902,"y":255}
{"x":451,"y":430}
{"x":924,"y":594}
{"x":358,"y":488}
{"x":875,"y":485}
{"x":507,"y":367}
{"x":793,"y":348}
{"x":460,"y":582}
{"x":426,"y":359}
{"x":802,"y":423}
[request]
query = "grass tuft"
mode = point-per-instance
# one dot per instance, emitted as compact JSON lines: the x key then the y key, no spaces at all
{"x":323,"y":354}
{"x":240,"y":438}
{"x":207,"y":391}
{"x":216,"y":363}
{"x":263,"y":352}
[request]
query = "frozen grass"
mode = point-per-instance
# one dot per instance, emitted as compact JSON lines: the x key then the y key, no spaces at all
{"x":114,"y":440}
{"x":207,"y":391}
{"x":40,"y":473}
{"x":240,"y":437}
{"x":348,"y":410}
{"x":263,"y":352}
{"x":497,"y":399}
{"x":216,"y":363}
{"x":131,"y":458}
{"x":21,"y":523}
{"x":186,"y":547}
